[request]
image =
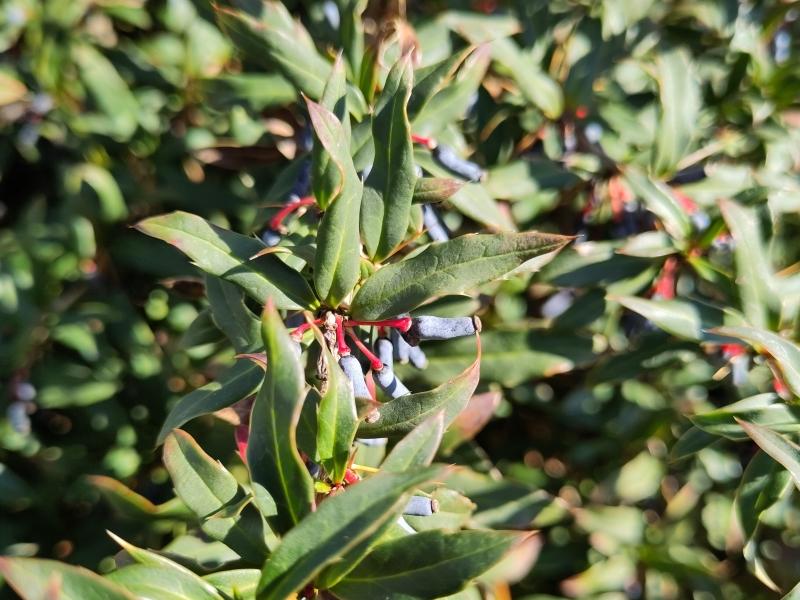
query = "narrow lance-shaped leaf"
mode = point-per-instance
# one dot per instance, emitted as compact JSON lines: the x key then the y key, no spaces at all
{"x":429,"y":564}
{"x":762,"y":483}
{"x":390,"y":185}
{"x":270,"y":37}
{"x":272,"y":455}
{"x":431,"y":79}
{"x":659,"y":200}
{"x":35,"y":579}
{"x":227,"y":255}
{"x":754,"y":276}
{"x":200,"y":481}
{"x":337,"y":420}
{"x":159,"y":581}
{"x":399,"y":416}
{"x":428,"y":190}
{"x":418,"y":448}
{"x":785,"y":353}
{"x":231,"y":315}
{"x":341,"y":522}
{"x":326,"y":175}
{"x":235,"y":384}
{"x":337,"y":262}
{"x":777,"y":446}
{"x":680,"y":99}
{"x":449,"y":268}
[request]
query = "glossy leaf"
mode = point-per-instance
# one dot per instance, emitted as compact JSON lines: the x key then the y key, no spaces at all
{"x":449,"y":268}
{"x":535,"y":84}
{"x":777,"y":446}
{"x":36,"y":578}
{"x":200,"y":481}
{"x":389,"y":187}
{"x":341,"y":522}
{"x":228,"y":255}
{"x":428,"y":564}
{"x":272,"y":455}
{"x":231,"y":315}
{"x":418,"y":448}
{"x":236,"y":583}
{"x":401,"y":415}
{"x":660,"y":200}
{"x":785,"y":352}
{"x":337,"y":262}
{"x":337,"y":421}
{"x":159,"y":581}
{"x":680,"y":102}
{"x":237,"y":383}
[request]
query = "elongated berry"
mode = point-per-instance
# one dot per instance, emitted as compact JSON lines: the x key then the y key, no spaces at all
{"x":417,"y":357}
{"x":385,"y":351}
{"x":441,"y":328}
{"x":421,"y":506}
{"x":448,"y":158}
{"x":389,"y":383}
{"x":373,"y":442}
{"x":401,"y":348}
{"x":434,"y":225}
{"x":352,"y":369}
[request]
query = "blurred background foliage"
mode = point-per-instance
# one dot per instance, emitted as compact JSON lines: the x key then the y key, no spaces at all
{"x":662,"y":134}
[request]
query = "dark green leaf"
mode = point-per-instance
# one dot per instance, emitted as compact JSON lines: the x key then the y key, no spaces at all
{"x":272,"y":455}
{"x":449,"y":268}
{"x":36,"y":579}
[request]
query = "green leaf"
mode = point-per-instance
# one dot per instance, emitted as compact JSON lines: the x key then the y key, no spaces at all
{"x":326,"y":179}
{"x":762,"y":483}
{"x":337,"y":420}
{"x":659,"y":200}
{"x":777,"y":446}
{"x":401,"y":415}
{"x":507,"y":357}
{"x":133,"y":506}
{"x":785,"y":353}
{"x":449,"y":268}
{"x":428,"y":81}
{"x":471,"y":199}
{"x":389,"y":187}
{"x":235,"y":384}
{"x":159,"y":581}
{"x":418,"y":448}
{"x":679,"y":94}
{"x":429,"y":564}
{"x":340,"y":522}
{"x":200,"y":481}
{"x":117,"y":106}
{"x":236,"y":583}
{"x":767,"y":410}
{"x":429,"y":190}
{"x":682,"y":318}
{"x":112,"y":203}
{"x":272,"y":455}
{"x":753,"y":265}
{"x":535,"y":84}
{"x":228,"y":255}
{"x":36,"y":579}
{"x":231,"y":315}
{"x":337,"y":264}
{"x":272,"y":38}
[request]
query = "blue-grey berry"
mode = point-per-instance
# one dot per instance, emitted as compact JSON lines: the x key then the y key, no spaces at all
{"x":389,"y":383}
{"x":434,"y":225}
{"x":352,"y":369}
{"x":440,"y":328}
{"x":421,"y":506}
{"x":417,"y":357}
{"x":385,"y":351}
{"x":451,"y":161}
{"x":401,"y":348}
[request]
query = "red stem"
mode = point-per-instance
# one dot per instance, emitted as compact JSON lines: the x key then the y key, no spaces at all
{"x":298,"y":332}
{"x":428,"y":142}
{"x":374,"y":361}
{"x":342,"y":346}
{"x":277,"y":220}
{"x":401,"y":323}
